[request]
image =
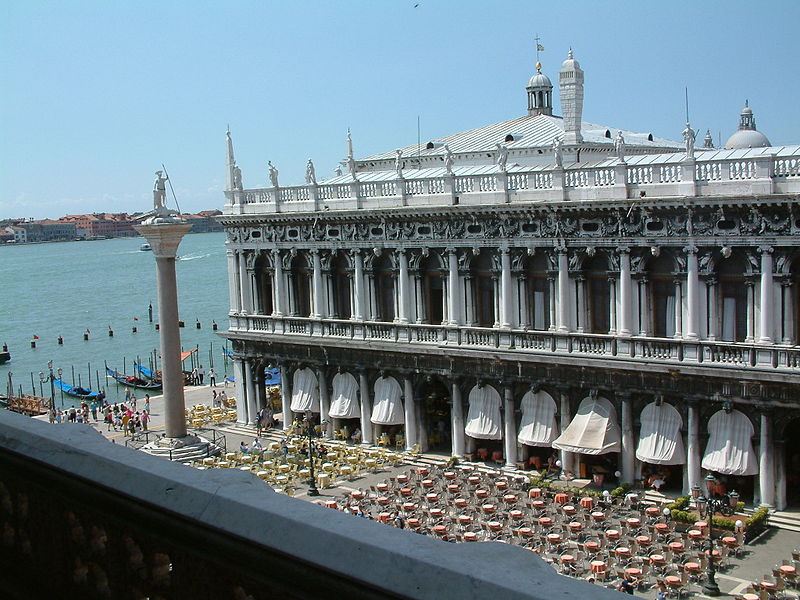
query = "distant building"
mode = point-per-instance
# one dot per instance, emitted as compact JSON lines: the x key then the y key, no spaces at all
{"x":19,"y":234}
{"x":204,"y":221}
{"x":100,"y":225}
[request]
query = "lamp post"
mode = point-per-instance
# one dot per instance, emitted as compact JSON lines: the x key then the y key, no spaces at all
{"x":51,"y":377}
{"x":707,"y":507}
{"x":312,"y":483}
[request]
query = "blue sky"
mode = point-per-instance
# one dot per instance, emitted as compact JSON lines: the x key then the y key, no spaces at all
{"x":97,"y":94}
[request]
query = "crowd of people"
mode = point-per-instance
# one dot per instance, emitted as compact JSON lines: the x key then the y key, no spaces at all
{"x":123,"y":416}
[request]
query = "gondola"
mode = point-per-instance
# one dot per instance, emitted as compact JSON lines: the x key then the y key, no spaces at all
{"x":131,"y":381}
{"x":76,"y":391}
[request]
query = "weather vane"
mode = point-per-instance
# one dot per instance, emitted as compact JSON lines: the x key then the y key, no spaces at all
{"x":539,"y":48}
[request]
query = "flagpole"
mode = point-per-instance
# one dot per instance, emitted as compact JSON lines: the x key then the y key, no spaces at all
{"x":169,"y":181}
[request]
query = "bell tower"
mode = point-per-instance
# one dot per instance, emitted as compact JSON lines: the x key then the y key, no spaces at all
{"x":570,"y":80}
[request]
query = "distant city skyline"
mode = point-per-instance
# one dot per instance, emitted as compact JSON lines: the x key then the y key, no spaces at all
{"x":98,"y":96}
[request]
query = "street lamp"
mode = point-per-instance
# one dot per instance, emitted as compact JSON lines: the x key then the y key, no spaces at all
{"x":706,"y":508}
{"x":312,"y":483}
{"x":45,"y":378}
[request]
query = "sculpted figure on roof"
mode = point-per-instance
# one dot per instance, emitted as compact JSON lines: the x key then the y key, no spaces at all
{"x":502,"y":157}
{"x":237,"y":177}
{"x":689,"y":136}
{"x":273,"y":174}
{"x":159,"y":192}
{"x":448,"y":160}
{"x":398,"y":163}
{"x":558,"y":154}
{"x":311,"y":176}
{"x":619,"y":147}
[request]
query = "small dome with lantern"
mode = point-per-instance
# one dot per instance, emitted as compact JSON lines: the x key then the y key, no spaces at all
{"x":747,"y":136}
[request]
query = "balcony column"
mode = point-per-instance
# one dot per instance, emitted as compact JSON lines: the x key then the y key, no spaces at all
{"x":497,"y":300}
{"x":410,"y":407}
{"x":286,"y":397}
{"x":767,"y":301}
{"x":240,"y":389}
{"x":751,"y":311}
{"x":580,"y":293}
{"x":402,"y":312}
{"x":469,"y":305}
{"x":693,"y":446}
{"x":524,"y":313}
{"x":250,"y":382}
{"x":324,"y":403}
{"x":233,"y":281}
{"x":711,"y":295}
{"x":788,"y":313}
{"x":563,"y":290}
{"x":551,"y":308}
{"x":419,"y":315}
{"x":510,"y":434}
{"x":366,"y":408}
{"x":612,"y":305}
{"x":678,"y":309}
{"x":628,"y":443}
{"x":278,"y":284}
{"x":318,"y":307}
{"x":766,"y":462}
{"x":567,"y":458}
{"x":454,"y":289}
{"x":624,"y":292}
{"x":644,"y":308}
{"x":692,"y":293}
{"x":261,"y":390}
{"x":506,"y":310}
{"x":457,"y":420}
{"x":358,"y":288}
{"x":245,"y":288}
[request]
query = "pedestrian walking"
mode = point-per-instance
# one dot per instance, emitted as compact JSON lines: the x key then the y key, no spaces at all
{"x":212,"y":377}
{"x":201,"y":373}
{"x":147,"y":403}
{"x":94,"y":411}
{"x":194,"y":376}
{"x":145,"y":420}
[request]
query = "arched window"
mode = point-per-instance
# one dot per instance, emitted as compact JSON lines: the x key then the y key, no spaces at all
{"x":340,"y":292}
{"x":597,"y":297}
{"x":384,"y":289}
{"x":264,"y":286}
{"x":300,"y":287}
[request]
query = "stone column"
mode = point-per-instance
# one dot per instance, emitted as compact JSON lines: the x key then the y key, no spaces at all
{"x":581,"y":312}
{"x":249,"y":380}
{"x":278,"y":284}
{"x":261,"y":391}
{"x":457,"y":420}
{"x":411,"y":412}
{"x":780,"y":475}
{"x":510,"y":434}
{"x":563,"y":291}
{"x":318,"y":306}
{"x":628,"y":447}
{"x":624,"y":292}
{"x":678,"y":309}
{"x":766,"y":462}
{"x":612,"y":306}
{"x":767,"y":302}
{"x":454,"y":289}
{"x":788,"y":313}
{"x":233,"y":281}
{"x":240,"y":386}
{"x":551,"y":308}
{"x":366,"y":408}
{"x":245,"y":288}
{"x":751,"y":311}
{"x":644,"y":308}
{"x":567,"y":458}
{"x":711,"y":293}
{"x":402,"y":313}
{"x":692,"y":294}
{"x":506,"y":310}
{"x":693,"y":445}
{"x":524,"y":314}
{"x":164,"y":238}
{"x":497,"y":307}
{"x":286,"y":397}
{"x":324,"y":403}
{"x":358,"y":287}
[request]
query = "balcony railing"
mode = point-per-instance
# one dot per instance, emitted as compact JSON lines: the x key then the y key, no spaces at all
{"x":645,"y":349}
{"x":83,"y":518}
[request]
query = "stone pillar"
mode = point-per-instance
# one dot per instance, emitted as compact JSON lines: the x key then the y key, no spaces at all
{"x":366,"y":408}
{"x":411,"y":412}
{"x":563,"y":291}
{"x":678,"y":309}
{"x":612,"y":305}
{"x":240,"y":390}
{"x":164,"y":238}
{"x":261,"y":392}
{"x":766,"y":471}
{"x":551,"y":285}
{"x":233,"y":281}
{"x":510,"y":434}
{"x":580,"y":293}
{"x":624,"y":292}
{"x":780,"y":475}
{"x":788,"y":313}
{"x":506,"y":310}
{"x":286,"y":397}
{"x":324,"y":403}
{"x":567,"y":458}
{"x":644,"y":308}
{"x":454,"y":289}
{"x":402,"y":313}
{"x":249,"y":407}
{"x":524,"y":313}
{"x":318,"y":306}
{"x":767,"y":302}
{"x":693,"y":446}
{"x":711,"y":294}
{"x":358,"y":287}
{"x":245,"y":288}
{"x":278,"y":284}
{"x":692,"y":294}
{"x":457,"y":420}
{"x":751,"y":311}
{"x":628,"y":447}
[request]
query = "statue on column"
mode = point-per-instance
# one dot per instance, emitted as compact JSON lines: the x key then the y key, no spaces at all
{"x":160,"y":192}
{"x":689,"y":135}
{"x":448,"y":160}
{"x":311,"y":176}
{"x":237,"y":177}
{"x":273,"y":174}
{"x":619,"y":147}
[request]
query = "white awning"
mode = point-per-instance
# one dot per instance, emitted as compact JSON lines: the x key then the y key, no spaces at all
{"x":483,"y":419}
{"x":729,"y":450}
{"x":305,"y":391}
{"x":660,"y":440}
{"x":344,"y":404}
{"x":538,"y":426}
{"x":594,"y":430}
{"x":387,"y":408}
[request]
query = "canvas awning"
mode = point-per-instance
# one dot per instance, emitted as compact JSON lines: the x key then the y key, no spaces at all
{"x":594,"y":430}
{"x":387,"y":407}
{"x":272,"y":376}
{"x":344,"y":402}
{"x":305,"y":391}
{"x":538,"y":426}
{"x":730,"y":450}
{"x":660,"y":439}
{"x":483,"y":419}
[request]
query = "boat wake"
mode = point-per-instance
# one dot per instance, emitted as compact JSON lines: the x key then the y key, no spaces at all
{"x":193,"y":256}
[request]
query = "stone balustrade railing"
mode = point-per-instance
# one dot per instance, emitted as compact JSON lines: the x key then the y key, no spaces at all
{"x":705,"y":353}
{"x":765,"y":174}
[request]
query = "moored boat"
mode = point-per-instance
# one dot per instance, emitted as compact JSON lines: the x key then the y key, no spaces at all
{"x":131,"y":381}
{"x":75,"y":391}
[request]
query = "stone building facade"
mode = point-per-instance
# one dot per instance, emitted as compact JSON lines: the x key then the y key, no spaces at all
{"x":537,"y":286}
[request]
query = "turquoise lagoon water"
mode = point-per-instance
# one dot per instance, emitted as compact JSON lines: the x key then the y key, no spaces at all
{"x":63,"y":289}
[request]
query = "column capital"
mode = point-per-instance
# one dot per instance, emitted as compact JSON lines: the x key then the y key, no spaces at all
{"x":764,"y":409}
{"x":691,"y":249}
{"x":560,"y":248}
{"x":765,"y":249}
{"x":623,"y":249}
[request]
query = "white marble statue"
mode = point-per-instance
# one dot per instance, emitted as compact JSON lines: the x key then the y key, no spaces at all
{"x":311,"y":175}
{"x":273,"y":174}
{"x":160,"y":193}
{"x":237,"y":177}
{"x":398,"y":163}
{"x":558,"y":154}
{"x":502,"y":157}
{"x":689,"y":136}
{"x":448,"y":160}
{"x":619,"y":147}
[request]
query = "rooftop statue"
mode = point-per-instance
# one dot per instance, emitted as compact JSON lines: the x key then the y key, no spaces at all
{"x":273,"y":174}
{"x":689,"y":136}
{"x":160,"y":192}
{"x":237,"y":177}
{"x":619,"y":147}
{"x":502,"y":157}
{"x":448,"y":160}
{"x":398,"y":163}
{"x":558,"y":153}
{"x":311,"y":176}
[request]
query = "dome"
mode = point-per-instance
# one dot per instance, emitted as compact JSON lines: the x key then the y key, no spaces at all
{"x":747,"y":138}
{"x":570,"y":64}
{"x":540,"y":80}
